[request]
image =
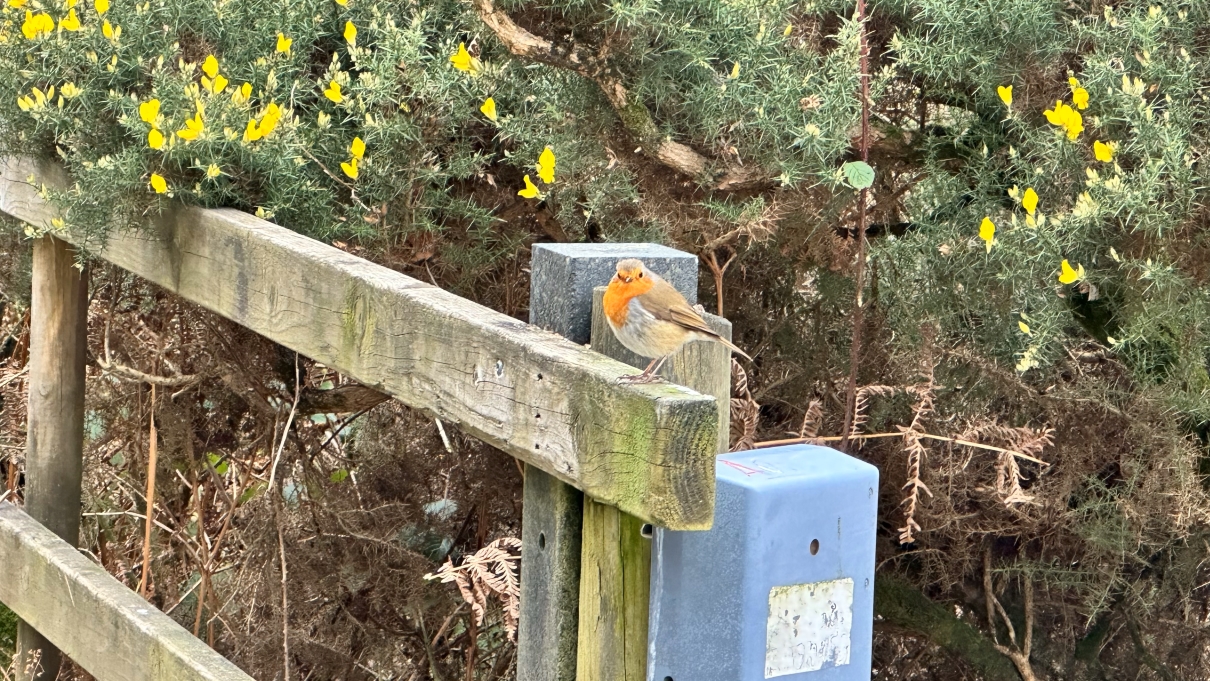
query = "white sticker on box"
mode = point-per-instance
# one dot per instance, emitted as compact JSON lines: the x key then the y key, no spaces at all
{"x":809,"y":627}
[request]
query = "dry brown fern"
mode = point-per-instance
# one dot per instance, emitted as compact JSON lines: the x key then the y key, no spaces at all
{"x":1026,"y":441}
{"x":862,"y":403}
{"x":921,"y":410}
{"x":812,"y":419}
{"x":491,"y":571}
{"x":745,"y":412}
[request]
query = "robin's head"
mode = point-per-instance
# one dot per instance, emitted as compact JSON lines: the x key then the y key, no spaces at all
{"x":630,"y":270}
{"x":632,"y":279}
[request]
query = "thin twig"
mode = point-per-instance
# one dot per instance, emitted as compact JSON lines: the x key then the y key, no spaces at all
{"x":277,"y":512}
{"x":329,"y":173}
{"x":1019,"y":653}
{"x":718,"y":271}
{"x":872,"y":436}
{"x":150,"y":497}
{"x":107,"y":364}
{"x":862,"y":198}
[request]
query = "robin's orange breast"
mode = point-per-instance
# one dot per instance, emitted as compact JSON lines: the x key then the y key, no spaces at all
{"x":618,"y":296}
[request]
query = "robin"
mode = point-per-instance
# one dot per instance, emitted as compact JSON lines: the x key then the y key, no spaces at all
{"x":652,"y":318}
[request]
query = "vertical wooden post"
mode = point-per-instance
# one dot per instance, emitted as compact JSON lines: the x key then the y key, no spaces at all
{"x":563,"y":278}
{"x":615,"y":564}
{"x":55,"y":428}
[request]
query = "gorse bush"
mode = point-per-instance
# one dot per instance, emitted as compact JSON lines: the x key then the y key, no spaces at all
{"x":261,"y":106}
{"x":1037,"y":258}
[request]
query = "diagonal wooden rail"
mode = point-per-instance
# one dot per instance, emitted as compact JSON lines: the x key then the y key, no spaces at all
{"x":646,"y":449}
{"x":106,"y":628}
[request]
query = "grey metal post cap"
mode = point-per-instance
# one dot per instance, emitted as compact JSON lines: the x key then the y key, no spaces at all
{"x":562,"y":278}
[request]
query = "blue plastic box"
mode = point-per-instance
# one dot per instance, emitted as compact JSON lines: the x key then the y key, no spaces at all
{"x":782,"y":586}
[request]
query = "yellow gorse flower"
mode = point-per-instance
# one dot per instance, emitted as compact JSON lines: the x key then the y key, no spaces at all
{"x":1068,"y":275}
{"x":158,"y":183}
{"x":546,"y":166}
{"x":155,"y":139}
{"x":213,"y":81}
{"x":1079,"y":97}
{"x":350,"y":168}
{"x":1006,"y":94}
{"x":1067,"y":118}
{"x":113,"y":33}
{"x":69,"y":90}
{"x":1102,"y":151}
{"x":36,"y":100}
{"x":350,"y":33}
{"x":531,"y":190}
{"x":463,"y":61}
{"x":987,"y":232}
{"x":284,"y":43}
{"x":242,"y":94}
{"x":36,"y":25}
{"x":489,"y":108}
{"x":149,"y":111}
{"x":357,"y":148}
{"x":193,"y":127}
{"x":16,"y":3}
{"x":269,"y":120}
{"x":268,"y":123}
{"x":102,"y":6}
{"x":71,"y":22}
{"x":342,"y":3}
{"x":333,"y":92}
{"x":1024,"y":328}
{"x":213,"y":171}
{"x":1030,"y":201}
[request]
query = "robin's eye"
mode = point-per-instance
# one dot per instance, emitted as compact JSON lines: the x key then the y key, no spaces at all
{"x":640,"y":275}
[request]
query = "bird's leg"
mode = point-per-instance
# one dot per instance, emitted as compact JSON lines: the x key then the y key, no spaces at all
{"x":650,"y":374}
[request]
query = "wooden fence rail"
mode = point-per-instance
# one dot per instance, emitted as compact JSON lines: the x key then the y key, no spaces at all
{"x":93,"y":618}
{"x":640,"y":453}
{"x":646,"y":449}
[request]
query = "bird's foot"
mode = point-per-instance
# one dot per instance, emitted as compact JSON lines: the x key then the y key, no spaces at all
{"x":641,"y":378}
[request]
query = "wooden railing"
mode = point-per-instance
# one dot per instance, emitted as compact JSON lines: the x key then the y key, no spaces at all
{"x":92,"y":617}
{"x":644,"y":451}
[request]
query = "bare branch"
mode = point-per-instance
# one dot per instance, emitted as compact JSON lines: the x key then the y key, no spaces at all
{"x":593,"y":65}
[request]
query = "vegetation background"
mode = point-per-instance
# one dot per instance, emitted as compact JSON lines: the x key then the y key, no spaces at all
{"x":1032,"y":342}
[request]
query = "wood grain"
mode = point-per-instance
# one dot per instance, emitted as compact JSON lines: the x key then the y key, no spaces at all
{"x":103,"y":626}
{"x":55,"y":430}
{"x":647,"y":449}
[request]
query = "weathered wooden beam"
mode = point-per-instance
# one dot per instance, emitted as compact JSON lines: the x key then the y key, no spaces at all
{"x":54,"y":458}
{"x":615,"y":561}
{"x":647,"y":449}
{"x":104,"y":627}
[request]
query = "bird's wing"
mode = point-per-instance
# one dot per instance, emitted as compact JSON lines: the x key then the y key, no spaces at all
{"x":666,"y":303}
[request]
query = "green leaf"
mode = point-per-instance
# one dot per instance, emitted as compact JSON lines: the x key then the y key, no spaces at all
{"x":859,"y":174}
{"x":220,"y":465}
{"x":251,"y":492}
{"x":338,"y":475}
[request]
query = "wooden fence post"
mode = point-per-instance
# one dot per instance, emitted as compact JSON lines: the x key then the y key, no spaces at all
{"x":55,"y":429}
{"x":562,"y":282}
{"x":616,"y":556}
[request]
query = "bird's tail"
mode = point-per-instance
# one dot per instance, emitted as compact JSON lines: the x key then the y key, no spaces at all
{"x":734,"y":347}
